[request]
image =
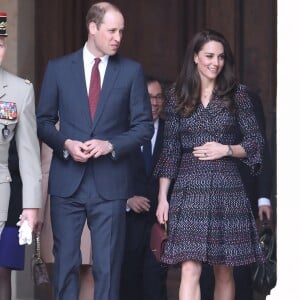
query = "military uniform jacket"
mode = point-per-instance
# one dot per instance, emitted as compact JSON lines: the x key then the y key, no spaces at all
{"x":23,"y":125}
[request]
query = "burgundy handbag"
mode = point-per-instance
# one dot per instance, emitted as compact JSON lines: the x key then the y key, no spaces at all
{"x":158,"y":239}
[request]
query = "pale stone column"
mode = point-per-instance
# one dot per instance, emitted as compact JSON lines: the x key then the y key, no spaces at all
{"x":10,"y":60}
{"x":19,"y":59}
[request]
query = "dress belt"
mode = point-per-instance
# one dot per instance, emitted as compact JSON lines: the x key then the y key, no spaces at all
{"x":187,"y":150}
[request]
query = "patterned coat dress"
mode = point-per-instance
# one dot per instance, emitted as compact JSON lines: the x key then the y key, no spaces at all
{"x":210,"y":218}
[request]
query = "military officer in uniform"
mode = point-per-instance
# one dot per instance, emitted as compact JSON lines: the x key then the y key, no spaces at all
{"x":17,"y":118}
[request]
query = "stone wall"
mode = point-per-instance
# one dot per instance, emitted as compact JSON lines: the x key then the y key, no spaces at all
{"x":21,"y":36}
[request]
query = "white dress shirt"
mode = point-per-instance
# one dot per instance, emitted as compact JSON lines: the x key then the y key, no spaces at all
{"x":88,"y":62}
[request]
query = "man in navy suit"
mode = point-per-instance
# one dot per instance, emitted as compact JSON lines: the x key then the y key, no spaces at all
{"x":258,"y":189}
{"x":90,"y":176}
{"x":142,"y":277}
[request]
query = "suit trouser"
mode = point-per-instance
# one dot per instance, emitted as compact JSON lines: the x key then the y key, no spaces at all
{"x":106,"y":221}
{"x":142,"y":277}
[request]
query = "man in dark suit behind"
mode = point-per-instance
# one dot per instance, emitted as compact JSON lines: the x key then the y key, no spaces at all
{"x":90,"y":171}
{"x":258,"y":189}
{"x":142,"y":277}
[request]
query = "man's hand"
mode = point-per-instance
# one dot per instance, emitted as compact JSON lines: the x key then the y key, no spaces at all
{"x":96,"y":148}
{"x":265,"y":209}
{"x":78,"y":150}
{"x":139,"y":204}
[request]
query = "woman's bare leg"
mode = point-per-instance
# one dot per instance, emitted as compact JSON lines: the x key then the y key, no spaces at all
{"x":190,"y":285}
{"x":224,"y":283}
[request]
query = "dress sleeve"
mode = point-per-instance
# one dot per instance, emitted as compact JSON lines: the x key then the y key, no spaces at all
{"x":252,"y":141}
{"x":169,"y":159}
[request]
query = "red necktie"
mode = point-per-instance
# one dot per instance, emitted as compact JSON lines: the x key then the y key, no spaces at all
{"x":95,"y":85}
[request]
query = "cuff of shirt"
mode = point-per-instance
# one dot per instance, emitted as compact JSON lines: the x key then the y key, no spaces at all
{"x":127,"y":207}
{"x":264,"y":201}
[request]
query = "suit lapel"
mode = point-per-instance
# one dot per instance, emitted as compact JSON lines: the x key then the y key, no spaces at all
{"x":110,"y":77}
{"x":77,"y":69}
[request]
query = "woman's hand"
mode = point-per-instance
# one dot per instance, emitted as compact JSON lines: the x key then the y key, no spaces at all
{"x":31,"y":216}
{"x":162,"y":211}
{"x":210,"y":151}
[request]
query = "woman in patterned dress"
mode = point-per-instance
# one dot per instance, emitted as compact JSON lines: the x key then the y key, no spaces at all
{"x":210,"y":124}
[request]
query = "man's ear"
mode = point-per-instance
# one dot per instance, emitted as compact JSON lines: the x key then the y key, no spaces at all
{"x":93,"y":27}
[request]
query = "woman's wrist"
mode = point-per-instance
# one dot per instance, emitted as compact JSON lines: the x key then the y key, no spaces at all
{"x":229,"y":151}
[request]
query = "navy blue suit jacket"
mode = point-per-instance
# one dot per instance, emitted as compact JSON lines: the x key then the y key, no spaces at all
{"x":123,"y":117}
{"x":260,"y":185}
{"x":145,"y":185}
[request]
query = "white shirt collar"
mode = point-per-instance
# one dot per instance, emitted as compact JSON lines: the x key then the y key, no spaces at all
{"x":88,"y":62}
{"x":88,"y":57}
{"x":156,"y":124}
